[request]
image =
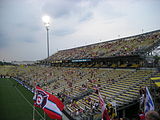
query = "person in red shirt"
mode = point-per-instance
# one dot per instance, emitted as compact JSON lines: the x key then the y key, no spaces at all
{"x":141,"y":115}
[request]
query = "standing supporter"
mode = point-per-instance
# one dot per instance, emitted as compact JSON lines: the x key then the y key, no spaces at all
{"x":142,"y":97}
{"x":141,"y":115}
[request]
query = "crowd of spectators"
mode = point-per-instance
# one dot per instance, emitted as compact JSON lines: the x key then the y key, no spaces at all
{"x":120,"y":47}
{"x":76,"y":87}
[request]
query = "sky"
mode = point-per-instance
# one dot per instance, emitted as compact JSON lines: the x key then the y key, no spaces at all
{"x":74,"y":23}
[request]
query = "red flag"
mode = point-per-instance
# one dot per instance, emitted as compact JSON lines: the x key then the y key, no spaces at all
{"x":51,"y":105}
{"x":103,"y":108}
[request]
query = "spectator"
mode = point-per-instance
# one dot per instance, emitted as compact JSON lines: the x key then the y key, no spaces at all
{"x":152,"y":115}
{"x":141,"y":115}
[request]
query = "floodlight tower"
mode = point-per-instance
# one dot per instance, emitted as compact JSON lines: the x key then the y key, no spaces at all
{"x":46,"y":21}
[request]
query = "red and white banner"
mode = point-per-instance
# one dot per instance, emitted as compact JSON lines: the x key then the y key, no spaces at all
{"x":105,"y":115}
{"x":51,"y":105}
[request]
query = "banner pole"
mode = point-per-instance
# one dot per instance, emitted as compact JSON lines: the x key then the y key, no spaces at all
{"x":33,"y":103}
{"x":44,"y":115}
{"x":33,"y":112}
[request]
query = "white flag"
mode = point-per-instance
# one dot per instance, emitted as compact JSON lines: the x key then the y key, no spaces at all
{"x":149,"y":105}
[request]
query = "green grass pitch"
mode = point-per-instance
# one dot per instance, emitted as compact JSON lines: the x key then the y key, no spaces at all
{"x":16,"y":102}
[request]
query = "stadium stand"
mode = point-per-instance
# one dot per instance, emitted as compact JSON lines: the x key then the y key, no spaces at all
{"x":117,"y":68}
{"x":119,"y":47}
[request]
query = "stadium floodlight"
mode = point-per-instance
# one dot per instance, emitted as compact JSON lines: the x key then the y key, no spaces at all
{"x":46,"y":21}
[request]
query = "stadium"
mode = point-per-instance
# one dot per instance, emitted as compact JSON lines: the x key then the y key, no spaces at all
{"x":120,"y":71}
{"x":79,"y":60}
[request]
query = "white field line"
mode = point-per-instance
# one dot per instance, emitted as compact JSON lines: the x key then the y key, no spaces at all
{"x":29,"y":102}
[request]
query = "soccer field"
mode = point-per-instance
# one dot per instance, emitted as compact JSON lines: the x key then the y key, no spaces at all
{"x":16,"y":102}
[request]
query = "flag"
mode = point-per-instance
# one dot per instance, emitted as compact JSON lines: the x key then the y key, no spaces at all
{"x":103,"y":108}
{"x":51,"y":105}
{"x":149,"y":105}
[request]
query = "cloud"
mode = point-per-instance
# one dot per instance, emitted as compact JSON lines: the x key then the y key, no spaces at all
{"x":68,"y":14}
{"x":74,"y":23}
{"x":59,"y":8}
{"x":64,"y":32}
{"x":19,"y":21}
{"x":86,"y":17}
{"x":3,"y":40}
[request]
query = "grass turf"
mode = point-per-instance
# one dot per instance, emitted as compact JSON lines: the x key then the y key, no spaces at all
{"x":13,"y":104}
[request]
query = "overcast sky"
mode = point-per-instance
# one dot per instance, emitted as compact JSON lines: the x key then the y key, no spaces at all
{"x":74,"y":23}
